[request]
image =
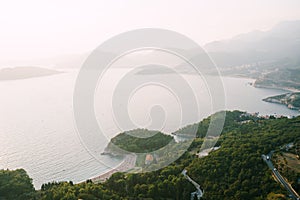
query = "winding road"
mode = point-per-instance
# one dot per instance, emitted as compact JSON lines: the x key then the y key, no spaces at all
{"x":288,"y":187}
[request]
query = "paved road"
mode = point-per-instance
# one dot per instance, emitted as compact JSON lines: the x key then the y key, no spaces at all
{"x":288,"y":187}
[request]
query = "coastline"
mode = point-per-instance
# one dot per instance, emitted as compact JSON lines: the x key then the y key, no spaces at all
{"x":287,"y":89}
{"x":254,"y":84}
{"x":21,"y":73}
{"x":270,"y":99}
{"x":283,"y":100}
{"x":127,"y":164}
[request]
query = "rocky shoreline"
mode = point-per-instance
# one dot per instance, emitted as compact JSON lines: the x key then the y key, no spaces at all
{"x":291,"y":100}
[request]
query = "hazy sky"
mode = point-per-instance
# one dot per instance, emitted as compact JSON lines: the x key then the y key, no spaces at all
{"x":33,"y":28}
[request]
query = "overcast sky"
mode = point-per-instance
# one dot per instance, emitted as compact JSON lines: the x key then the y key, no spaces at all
{"x":33,"y":28}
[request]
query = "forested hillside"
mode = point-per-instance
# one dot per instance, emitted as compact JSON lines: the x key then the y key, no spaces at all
{"x":234,"y":171}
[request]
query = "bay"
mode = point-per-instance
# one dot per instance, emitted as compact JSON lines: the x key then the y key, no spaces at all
{"x":38,"y":130}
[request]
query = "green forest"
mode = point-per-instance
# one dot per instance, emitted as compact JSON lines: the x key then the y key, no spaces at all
{"x":292,"y":100}
{"x":140,"y":140}
{"x":234,"y":171}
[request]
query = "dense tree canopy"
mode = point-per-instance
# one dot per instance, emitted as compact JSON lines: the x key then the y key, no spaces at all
{"x":141,"y":140}
{"x":234,"y":171}
{"x":15,"y":185}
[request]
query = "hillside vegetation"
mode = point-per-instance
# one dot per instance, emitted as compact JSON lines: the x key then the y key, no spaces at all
{"x":235,"y":171}
{"x":139,"y":141}
{"x":291,"y":100}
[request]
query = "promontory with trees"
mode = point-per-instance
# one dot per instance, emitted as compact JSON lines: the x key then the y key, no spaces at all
{"x":234,"y":171}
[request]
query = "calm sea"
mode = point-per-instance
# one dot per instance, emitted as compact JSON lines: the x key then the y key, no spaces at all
{"x":38,"y":131}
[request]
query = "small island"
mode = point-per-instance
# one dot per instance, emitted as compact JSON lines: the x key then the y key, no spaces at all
{"x":137,"y":141}
{"x":147,"y":149}
{"x":16,"y":73}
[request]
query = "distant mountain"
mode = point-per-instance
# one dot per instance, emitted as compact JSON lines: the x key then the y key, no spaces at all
{"x":25,"y":73}
{"x":250,"y":54}
{"x":278,"y":47}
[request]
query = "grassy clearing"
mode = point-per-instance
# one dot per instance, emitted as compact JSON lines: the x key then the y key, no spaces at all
{"x":292,"y":161}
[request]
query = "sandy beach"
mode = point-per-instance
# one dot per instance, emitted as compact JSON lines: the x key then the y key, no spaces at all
{"x":127,"y":164}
